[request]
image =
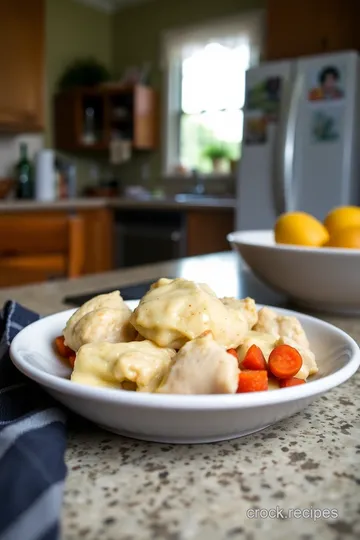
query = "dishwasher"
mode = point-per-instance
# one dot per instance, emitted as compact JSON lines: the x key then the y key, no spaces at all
{"x":144,"y":237}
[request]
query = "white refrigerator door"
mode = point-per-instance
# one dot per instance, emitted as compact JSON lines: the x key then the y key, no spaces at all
{"x":259,"y":199}
{"x":320,"y":171}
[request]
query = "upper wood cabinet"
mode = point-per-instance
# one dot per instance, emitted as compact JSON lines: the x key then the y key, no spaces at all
{"x":311,"y":27}
{"x":89,"y":118}
{"x":22,"y":41}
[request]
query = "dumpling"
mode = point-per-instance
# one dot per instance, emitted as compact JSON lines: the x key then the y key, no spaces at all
{"x":175,"y":311}
{"x":110,"y":322}
{"x":202,"y":366}
{"x":265,"y":342}
{"x":139,"y":365}
{"x":100,"y":325}
{"x":281,"y":326}
{"x":111,"y":300}
{"x":247,"y":306}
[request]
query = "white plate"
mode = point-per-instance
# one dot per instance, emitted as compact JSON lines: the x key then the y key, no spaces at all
{"x":323,"y":279}
{"x":175,"y":418}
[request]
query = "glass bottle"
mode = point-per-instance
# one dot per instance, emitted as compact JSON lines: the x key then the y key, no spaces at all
{"x":23,"y":171}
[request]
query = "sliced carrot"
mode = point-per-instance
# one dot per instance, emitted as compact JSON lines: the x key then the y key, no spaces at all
{"x":284,"y":361}
{"x":63,"y":349}
{"x":253,"y":381}
{"x":72,"y":359}
{"x":233,"y":352}
{"x":293,"y":381}
{"x":254,"y":359}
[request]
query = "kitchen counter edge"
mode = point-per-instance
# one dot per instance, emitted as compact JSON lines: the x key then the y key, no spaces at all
{"x":218,"y":203}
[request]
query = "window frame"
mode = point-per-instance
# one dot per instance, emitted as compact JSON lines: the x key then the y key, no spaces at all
{"x":172,"y":111}
{"x":172,"y":118}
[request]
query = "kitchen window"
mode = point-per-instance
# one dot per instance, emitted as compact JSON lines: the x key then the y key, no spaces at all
{"x":205,"y":93}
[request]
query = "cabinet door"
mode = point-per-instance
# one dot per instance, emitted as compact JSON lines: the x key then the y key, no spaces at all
{"x":99,"y":239}
{"x":293,"y":28}
{"x":341,"y":24}
{"x":21,"y":64}
{"x":310,"y":27}
{"x":207,"y":231}
{"x":145,"y":119}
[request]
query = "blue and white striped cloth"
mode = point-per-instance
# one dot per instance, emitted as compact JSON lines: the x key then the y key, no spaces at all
{"x":32,"y":445}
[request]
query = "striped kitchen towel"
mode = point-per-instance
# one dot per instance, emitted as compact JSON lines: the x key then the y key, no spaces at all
{"x":32,"y":445}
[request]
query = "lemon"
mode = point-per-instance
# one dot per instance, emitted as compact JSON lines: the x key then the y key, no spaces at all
{"x":342,"y":217}
{"x":300,"y":229}
{"x":349,"y":237}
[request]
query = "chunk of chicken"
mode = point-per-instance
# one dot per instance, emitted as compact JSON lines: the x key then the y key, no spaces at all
{"x":175,"y":311}
{"x":309,"y":366}
{"x":267,"y":342}
{"x":281,"y":326}
{"x":103,"y":318}
{"x":202,"y":366}
{"x":139,"y":365}
{"x":246,"y":306}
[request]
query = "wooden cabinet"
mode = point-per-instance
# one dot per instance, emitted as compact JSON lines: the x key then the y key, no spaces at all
{"x":206,"y":231}
{"x":311,"y":27}
{"x":89,"y":118}
{"x":22,"y":39}
{"x":98,"y":229}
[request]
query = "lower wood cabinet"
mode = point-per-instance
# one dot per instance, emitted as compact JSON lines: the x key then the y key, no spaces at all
{"x":98,"y":229}
{"x":98,"y":240}
{"x":206,"y":231}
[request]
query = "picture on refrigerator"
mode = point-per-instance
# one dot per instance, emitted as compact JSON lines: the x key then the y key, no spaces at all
{"x":255,"y":129}
{"x":265,"y":97}
{"x":327,"y":84}
{"x":325,"y":125}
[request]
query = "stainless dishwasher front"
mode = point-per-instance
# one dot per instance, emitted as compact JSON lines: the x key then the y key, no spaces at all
{"x":148,"y":237}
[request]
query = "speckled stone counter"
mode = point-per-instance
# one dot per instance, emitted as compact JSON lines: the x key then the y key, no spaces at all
{"x":122,"y":489}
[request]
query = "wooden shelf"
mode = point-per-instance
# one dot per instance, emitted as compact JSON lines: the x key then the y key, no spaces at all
{"x":140,"y":127}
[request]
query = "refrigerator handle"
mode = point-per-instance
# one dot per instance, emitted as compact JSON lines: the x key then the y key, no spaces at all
{"x":285,"y":146}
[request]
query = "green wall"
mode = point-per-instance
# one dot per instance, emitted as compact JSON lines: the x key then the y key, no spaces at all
{"x":137,"y":30}
{"x":129,"y":37}
{"x":72,"y":30}
{"x":137,"y":33}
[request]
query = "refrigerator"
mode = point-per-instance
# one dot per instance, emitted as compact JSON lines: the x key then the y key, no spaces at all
{"x":301,"y":139}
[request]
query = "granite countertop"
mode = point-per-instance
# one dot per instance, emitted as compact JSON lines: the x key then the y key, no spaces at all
{"x":122,"y":489}
{"x":166,"y":203}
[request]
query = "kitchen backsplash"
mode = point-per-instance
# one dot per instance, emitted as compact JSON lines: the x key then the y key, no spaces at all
{"x":214,"y":185}
{"x":140,"y":171}
{"x":10,"y":150}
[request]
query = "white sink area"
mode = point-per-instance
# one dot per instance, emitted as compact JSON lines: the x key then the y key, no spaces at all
{"x":187,"y":197}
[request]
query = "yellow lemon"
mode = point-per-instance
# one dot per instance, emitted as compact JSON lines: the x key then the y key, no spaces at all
{"x":349,"y":237}
{"x":341,"y":217}
{"x":300,"y":229}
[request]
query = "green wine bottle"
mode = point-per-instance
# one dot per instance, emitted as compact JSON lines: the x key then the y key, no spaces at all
{"x":24,"y":176}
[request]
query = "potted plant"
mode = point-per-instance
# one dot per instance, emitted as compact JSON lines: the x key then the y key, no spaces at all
{"x":83,"y":72}
{"x":218,"y":153}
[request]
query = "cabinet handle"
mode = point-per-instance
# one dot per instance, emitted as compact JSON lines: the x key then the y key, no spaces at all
{"x":175,"y":236}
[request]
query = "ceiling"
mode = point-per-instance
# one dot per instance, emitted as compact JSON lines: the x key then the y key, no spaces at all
{"x":110,"y":5}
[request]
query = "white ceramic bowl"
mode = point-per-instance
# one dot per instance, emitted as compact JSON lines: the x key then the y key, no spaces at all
{"x":175,"y":418}
{"x":323,"y":279}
